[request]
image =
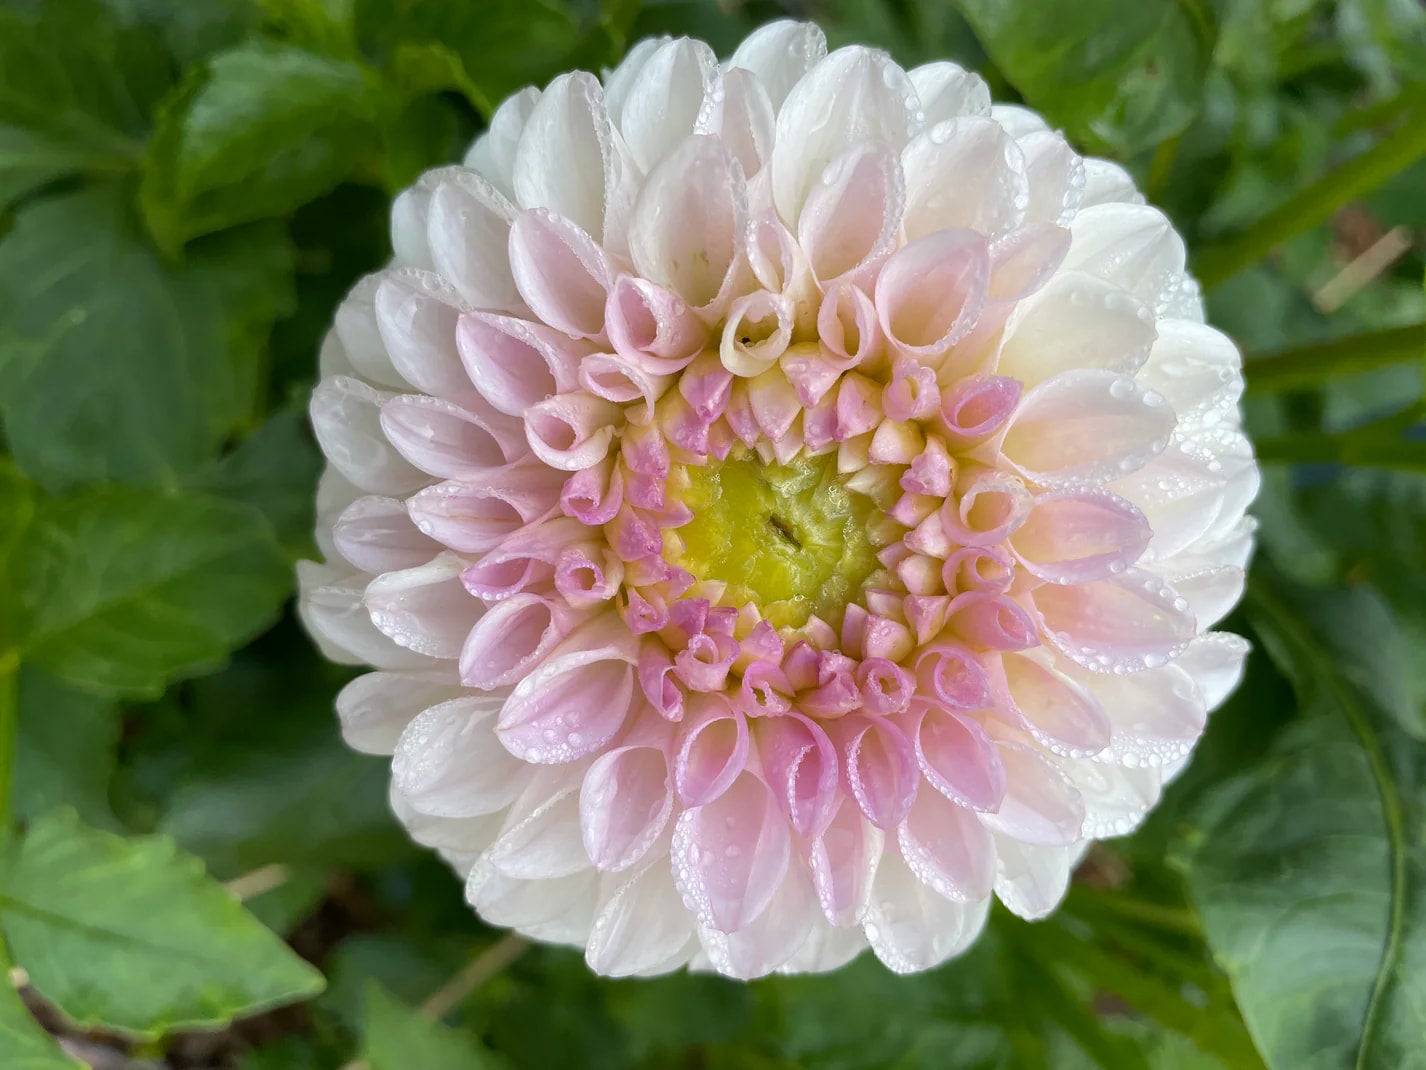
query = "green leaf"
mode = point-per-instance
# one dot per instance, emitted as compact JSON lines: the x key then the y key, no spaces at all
{"x":132,"y":935}
{"x":73,"y":72}
{"x":395,"y":1037}
{"x":131,"y":588}
{"x":115,"y":366}
{"x":259,"y":131}
{"x":64,"y":750}
{"x":274,"y":470}
{"x":1118,"y":74}
{"x":17,"y":513}
{"x":31,"y":160}
{"x":23,"y":1044}
{"x":1309,"y":867}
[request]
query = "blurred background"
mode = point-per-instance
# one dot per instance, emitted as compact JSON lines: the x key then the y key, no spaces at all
{"x":188,"y":188}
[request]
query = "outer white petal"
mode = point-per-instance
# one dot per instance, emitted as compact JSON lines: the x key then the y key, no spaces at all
{"x":346,"y":416}
{"x":947,"y":91}
{"x":376,"y":707}
{"x":493,"y":153}
{"x":641,"y":925}
{"x":330,"y":606}
{"x":780,"y":53}
{"x":664,"y":99}
{"x":912,"y":928}
{"x":1031,"y":879}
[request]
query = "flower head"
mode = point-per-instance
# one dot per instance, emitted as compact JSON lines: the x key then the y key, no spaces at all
{"x":785,"y":501}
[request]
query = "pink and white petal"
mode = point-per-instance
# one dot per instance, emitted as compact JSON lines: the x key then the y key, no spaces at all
{"x":334,"y":494}
{"x":346,"y":417}
{"x":356,"y":328}
{"x":1055,"y":173}
{"x":931,"y":292}
{"x":1086,"y":427}
{"x":947,"y":848}
{"x":640,"y":925}
{"x":1076,"y":321}
{"x":1123,"y":623}
{"x":948,"y":91}
{"x":912,"y":928}
{"x":514,"y":636}
{"x":541,"y":837}
{"x":561,"y":272}
{"x":826,"y":948}
{"x":549,"y":718}
{"x":1183,"y":491}
{"x":1116,"y":799}
{"x":449,"y":763}
{"x":624,"y":805}
{"x":331,"y":609}
{"x":442,"y":439}
{"x":664,"y":98}
{"x":1040,"y":805}
{"x":467,"y":232}
{"x":417,"y":313}
{"x":852,"y":217}
{"x":712,"y":749}
{"x":1074,"y":536}
{"x":1155,"y":716}
{"x":493,"y":153}
{"x":957,"y":758}
{"x":472,"y":518}
{"x":515,"y":363}
{"x":780,"y":53}
{"x":1031,"y":879}
{"x":701,"y":186}
{"x":376,"y":535}
{"x":1133,"y":246}
{"x":843,"y":861}
{"x":854,"y":95}
{"x":800,"y":764}
{"x":375,"y":708}
{"x":966,"y":174}
{"x":879,"y":766}
{"x":571,"y":431}
{"x":1026,"y":259}
{"x":560,"y":907}
{"x":1054,"y":708}
{"x":426,"y":609}
{"x":730,"y":855}
{"x":772,"y":939}
{"x":572,"y":160}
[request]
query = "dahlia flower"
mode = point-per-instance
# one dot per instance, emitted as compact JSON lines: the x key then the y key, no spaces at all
{"x":785,"y":502}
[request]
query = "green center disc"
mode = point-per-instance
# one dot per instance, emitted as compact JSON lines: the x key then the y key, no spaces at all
{"x":789,"y":538}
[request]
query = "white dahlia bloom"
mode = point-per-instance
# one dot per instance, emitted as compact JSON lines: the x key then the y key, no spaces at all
{"x":786,"y":503}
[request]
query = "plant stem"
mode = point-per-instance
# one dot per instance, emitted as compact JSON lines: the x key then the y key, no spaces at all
{"x":1316,"y":204}
{"x":480,"y":969}
{"x":1306,"y":365}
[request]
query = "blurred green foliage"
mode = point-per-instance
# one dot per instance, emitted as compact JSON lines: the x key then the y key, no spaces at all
{"x":186,"y":191}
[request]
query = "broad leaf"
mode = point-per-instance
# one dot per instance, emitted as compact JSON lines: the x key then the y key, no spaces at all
{"x":64,"y":750}
{"x":17,"y":512}
{"x":131,"y":588}
{"x":132,"y":935}
{"x":259,"y":131}
{"x":23,"y":1044}
{"x":396,"y":1037}
{"x":1116,"y":74}
{"x":1309,"y":868}
{"x":30,"y":160}
{"x":115,"y":366}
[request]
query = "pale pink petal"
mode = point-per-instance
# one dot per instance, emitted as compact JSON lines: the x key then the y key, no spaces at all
{"x":966,"y":173}
{"x":1072,"y":536}
{"x":1053,"y":707}
{"x":376,"y":535}
{"x":852,"y":217}
{"x":1025,"y":259}
{"x":712,"y":749}
{"x":757,"y":332}
{"x":443,"y":439}
{"x":561,"y":272}
{"x":513,"y":637}
{"x":376,"y":707}
{"x":878,"y":766}
{"x":571,"y":431}
{"x":930,"y":293}
{"x":426,"y":609}
{"x":853,"y":95}
{"x":957,"y":757}
{"x":550,"y":717}
{"x":1086,"y":427}
{"x":730,"y":855}
{"x":978,"y":406}
{"x":478,"y":516}
{"x":801,"y":767}
{"x":624,"y":805}
{"x":843,"y":861}
{"x":467,"y":232}
{"x":948,"y":848}
{"x":514,"y":363}
{"x":1123,"y":623}
{"x":652,"y":324}
{"x":346,"y":416}
{"x":1040,"y":806}
{"x":449,"y":763}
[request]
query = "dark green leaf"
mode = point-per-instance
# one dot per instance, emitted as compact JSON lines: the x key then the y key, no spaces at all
{"x":132,"y":935}
{"x":17,"y":513}
{"x":64,"y":750}
{"x":131,"y":588}
{"x":259,"y":131}
{"x":23,"y":1044}
{"x":1121,"y":74}
{"x":1309,"y":868}
{"x":395,"y":1037}
{"x":30,"y":160}
{"x":114,"y":366}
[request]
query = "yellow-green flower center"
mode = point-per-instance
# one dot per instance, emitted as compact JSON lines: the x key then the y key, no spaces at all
{"x":789,"y":538}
